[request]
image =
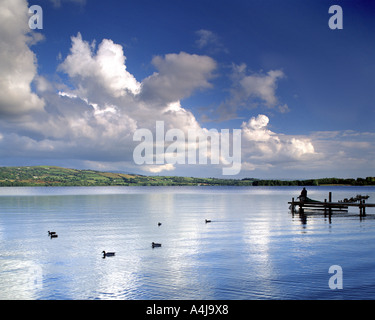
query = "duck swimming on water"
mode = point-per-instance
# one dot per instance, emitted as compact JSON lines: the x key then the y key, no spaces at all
{"x":108,"y":254}
{"x":52,"y":234}
{"x":156,"y":245}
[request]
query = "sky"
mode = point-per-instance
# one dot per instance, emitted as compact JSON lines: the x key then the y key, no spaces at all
{"x":74,"y":93}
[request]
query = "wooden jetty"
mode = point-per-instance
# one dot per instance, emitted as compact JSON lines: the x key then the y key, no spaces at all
{"x":329,"y":206}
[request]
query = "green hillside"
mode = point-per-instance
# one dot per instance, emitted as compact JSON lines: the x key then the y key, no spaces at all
{"x":57,"y":176}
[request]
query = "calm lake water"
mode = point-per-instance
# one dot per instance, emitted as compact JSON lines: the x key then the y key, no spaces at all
{"x":254,"y":248}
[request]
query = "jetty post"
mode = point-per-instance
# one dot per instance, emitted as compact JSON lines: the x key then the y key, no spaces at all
{"x":330,"y":200}
{"x":293,"y":209}
{"x":362,"y":208}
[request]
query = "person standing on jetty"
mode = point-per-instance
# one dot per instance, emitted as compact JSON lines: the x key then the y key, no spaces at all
{"x":303,"y":196}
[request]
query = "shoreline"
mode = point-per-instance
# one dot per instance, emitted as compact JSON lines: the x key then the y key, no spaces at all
{"x":180,"y":185}
{"x":50,"y":176}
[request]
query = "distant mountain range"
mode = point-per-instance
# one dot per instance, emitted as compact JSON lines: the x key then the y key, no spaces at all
{"x":57,"y":176}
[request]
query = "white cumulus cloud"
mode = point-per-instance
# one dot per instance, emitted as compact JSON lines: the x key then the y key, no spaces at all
{"x":265,"y":146}
{"x":105,"y":69}
{"x":255,"y":86}
{"x":18,"y":65}
{"x":178,"y":76}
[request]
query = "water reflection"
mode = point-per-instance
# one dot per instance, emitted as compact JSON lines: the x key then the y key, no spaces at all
{"x":20,"y":279}
{"x":306,"y":215}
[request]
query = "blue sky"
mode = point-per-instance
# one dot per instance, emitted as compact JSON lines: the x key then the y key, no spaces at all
{"x":302,"y":94}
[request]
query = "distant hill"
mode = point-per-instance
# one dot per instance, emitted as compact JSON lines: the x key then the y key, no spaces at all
{"x":57,"y":176}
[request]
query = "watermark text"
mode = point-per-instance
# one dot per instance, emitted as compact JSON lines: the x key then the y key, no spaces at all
{"x":335,"y":281}
{"x":36,"y":20}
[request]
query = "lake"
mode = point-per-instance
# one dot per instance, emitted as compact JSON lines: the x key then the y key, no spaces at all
{"x":253,"y":248}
